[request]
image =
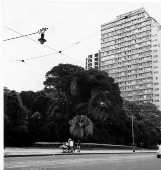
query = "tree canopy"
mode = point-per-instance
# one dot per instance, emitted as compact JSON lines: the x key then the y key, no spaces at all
{"x":147,"y":122}
{"x":70,"y":93}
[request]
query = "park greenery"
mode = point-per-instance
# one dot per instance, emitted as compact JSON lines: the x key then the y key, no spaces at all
{"x":81,"y":104}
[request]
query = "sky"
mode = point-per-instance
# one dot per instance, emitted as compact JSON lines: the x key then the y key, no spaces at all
{"x":68,"y":23}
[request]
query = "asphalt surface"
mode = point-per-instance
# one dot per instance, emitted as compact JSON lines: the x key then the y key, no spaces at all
{"x":141,"y":161}
{"x":20,"y":152}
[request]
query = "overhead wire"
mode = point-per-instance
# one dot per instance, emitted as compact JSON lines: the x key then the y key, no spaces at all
{"x":49,"y":47}
{"x":30,"y":38}
{"x":71,"y":45}
{"x":20,"y":36}
{"x":33,"y":58}
{"x":41,"y":56}
{"x":53,"y":49}
{"x":80,"y":41}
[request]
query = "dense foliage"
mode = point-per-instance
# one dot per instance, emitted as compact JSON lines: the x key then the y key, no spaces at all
{"x":77,"y":103}
{"x":147,"y":123}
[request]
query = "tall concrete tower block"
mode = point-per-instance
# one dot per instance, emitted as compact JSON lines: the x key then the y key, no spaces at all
{"x":131,"y":54}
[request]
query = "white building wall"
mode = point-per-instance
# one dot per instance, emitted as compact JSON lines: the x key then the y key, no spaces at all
{"x":156,"y":54}
{"x":93,"y":61}
{"x":158,"y":102}
{"x":129,"y":49}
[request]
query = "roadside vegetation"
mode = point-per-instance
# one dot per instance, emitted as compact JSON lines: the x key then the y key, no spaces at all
{"x":77,"y":103}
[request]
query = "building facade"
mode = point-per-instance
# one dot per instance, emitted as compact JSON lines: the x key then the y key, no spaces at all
{"x":131,"y":54}
{"x":93,"y":61}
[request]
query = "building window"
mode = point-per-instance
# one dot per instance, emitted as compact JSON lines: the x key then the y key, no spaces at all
{"x":96,"y":55}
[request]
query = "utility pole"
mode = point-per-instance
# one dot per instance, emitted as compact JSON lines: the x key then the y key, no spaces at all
{"x":133,"y":136}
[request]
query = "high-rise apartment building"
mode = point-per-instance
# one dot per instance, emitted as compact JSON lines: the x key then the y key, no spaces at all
{"x":92,"y":61}
{"x":131,"y":54}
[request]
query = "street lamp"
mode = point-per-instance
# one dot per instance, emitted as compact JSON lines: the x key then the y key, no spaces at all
{"x":42,"y":32}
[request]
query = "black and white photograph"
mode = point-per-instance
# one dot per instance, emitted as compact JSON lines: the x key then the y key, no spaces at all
{"x":81,"y":85}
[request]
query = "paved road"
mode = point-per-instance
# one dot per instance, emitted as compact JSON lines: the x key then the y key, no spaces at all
{"x":85,"y":162}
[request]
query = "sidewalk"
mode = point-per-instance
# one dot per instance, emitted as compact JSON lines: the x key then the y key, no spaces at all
{"x":21,"y":152}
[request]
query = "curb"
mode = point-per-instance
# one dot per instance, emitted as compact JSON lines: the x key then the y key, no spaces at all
{"x":96,"y":153}
{"x":58,"y":154}
{"x":28,"y":155}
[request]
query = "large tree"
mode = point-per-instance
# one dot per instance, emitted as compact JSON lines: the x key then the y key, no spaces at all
{"x":59,"y":77}
{"x":92,"y":93}
{"x":147,"y":122}
{"x":95,"y":93}
{"x":58,"y":81}
{"x":16,"y":130}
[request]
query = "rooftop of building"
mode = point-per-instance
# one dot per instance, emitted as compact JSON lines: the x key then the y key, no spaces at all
{"x":122,"y":16}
